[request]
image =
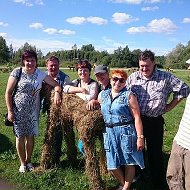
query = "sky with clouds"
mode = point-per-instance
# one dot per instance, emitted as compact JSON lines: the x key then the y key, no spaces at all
{"x":53,"y":25}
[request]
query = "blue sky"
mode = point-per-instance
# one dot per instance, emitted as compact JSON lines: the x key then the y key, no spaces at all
{"x":53,"y":25}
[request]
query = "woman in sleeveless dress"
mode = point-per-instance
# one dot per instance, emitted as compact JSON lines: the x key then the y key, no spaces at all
{"x":123,"y":135}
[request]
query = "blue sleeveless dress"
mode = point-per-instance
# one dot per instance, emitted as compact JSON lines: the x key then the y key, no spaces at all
{"x":120,"y":138}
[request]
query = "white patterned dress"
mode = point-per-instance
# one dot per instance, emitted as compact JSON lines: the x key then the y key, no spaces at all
{"x":26,"y":102}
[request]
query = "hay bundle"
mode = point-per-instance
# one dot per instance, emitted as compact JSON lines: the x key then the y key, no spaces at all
{"x":89,"y":124}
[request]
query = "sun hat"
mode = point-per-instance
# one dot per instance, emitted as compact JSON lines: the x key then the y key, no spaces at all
{"x":100,"y":69}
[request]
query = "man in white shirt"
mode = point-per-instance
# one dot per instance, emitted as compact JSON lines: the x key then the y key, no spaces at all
{"x":178,"y":171}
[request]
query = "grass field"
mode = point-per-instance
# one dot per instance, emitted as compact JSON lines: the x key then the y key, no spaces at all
{"x":65,"y":177}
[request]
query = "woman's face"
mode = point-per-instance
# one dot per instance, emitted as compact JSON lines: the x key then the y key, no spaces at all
{"x":84,"y":73}
{"x":30,"y":64}
{"x":117,"y":82}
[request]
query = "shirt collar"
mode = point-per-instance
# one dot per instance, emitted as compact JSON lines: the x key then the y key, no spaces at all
{"x":154,"y":74}
{"x":58,"y":75}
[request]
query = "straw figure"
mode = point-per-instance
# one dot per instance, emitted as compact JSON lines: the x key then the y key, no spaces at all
{"x":89,"y":125}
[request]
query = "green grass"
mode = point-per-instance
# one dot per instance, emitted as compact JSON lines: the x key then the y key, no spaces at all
{"x":65,"y":177}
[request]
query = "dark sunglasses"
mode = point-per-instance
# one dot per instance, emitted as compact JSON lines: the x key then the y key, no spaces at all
{"x":121,"y":80}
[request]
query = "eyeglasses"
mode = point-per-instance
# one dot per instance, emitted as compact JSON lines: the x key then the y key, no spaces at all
{"x":121,"y":80}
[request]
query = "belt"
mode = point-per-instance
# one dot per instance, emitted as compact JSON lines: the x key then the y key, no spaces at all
{"x":149,"y":117}
{"x":111,"y":125}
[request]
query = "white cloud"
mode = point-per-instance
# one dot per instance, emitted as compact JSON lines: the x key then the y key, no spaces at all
{"x":186,"y":20}
{"x":134,"y":30}
{"x":150,"y":8}
{"x":45,"y":45}
{"x":81,"y":20}
{"x":52,"y":31}
{"x":163,"y":25}
{"x":128,"y":1}
{"x":29,"y":3}
{"x":19,"y":1}
{"x":39,"y":2}
{"x":97,"y":20}
{"x":66,"y":32}
{"x":4,"y":24}
{"x":36,"y":25}
{"x":152,"y":1}
{"x":135,"y":1}
{"x":123,"y":18}
{"x":3,"y":34}
{"x":76,"y":20}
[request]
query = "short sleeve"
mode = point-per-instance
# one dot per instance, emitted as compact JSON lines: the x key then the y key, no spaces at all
{"x":15,"y":73}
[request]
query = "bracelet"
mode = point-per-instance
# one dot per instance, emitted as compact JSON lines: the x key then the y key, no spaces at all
{"x":140,"y":136}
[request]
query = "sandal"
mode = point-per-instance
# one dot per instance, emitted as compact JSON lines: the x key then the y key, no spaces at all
{"x":22,"y":169}
{"x":29,"y":166}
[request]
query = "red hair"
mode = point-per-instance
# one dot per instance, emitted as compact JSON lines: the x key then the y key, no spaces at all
{"x":122,"y":73}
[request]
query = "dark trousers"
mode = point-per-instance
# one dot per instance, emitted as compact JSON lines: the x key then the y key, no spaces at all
{"x":153,"y":128}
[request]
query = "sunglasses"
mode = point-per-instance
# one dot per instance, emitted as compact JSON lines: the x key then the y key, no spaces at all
{"x":121,"y":80}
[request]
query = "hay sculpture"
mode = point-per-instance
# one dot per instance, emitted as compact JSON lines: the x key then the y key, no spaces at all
{"x":89,"y":124}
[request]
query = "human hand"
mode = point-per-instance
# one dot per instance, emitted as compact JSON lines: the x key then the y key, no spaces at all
{"x":140,"y":144}
{"x":11,"y":116}
{"x":92,"y":105}
{"x":83,"y":90}
{"x":57,"y":98}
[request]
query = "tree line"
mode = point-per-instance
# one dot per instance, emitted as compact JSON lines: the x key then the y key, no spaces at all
{"x":121,"y":57}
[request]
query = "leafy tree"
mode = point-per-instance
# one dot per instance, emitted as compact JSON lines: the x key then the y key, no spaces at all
{"x":88,"y":47}
{"x":4,"y":51}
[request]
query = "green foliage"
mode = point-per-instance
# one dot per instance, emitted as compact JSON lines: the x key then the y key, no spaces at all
{"x":122,"y":57}
{"x":177,"y":58}
{"x":4,"y":51}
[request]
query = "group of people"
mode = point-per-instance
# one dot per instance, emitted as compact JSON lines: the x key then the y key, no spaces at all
{"x":132,"y":109}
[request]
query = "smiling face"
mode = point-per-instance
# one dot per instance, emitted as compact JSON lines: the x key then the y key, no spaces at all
{"x":146,"y":67}
{"x":30,"y":64}
{"x":103,"y":78}
{"x":84,"y":74}
{"x":83,"y":68}
{"x":118,"y":80}
{"x":53,"y":68}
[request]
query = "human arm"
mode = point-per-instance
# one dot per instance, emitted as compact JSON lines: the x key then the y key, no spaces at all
{"x":93,"y":90}
{"x":11,"y":83}
{"x":133,"y":104}
{"x":57,"y":88}
{"x":72,"y":88}
{"x":180,"y":91}
{"x":172,"y":104}
{"x":76,"y":89}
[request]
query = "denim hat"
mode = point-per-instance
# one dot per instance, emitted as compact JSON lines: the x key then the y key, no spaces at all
{"x":100,"y":69}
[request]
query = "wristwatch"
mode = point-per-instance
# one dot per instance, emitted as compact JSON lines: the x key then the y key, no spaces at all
{"x":140,"y":136}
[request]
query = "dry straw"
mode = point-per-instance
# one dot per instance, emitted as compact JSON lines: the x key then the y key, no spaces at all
{"x":89,"y":125}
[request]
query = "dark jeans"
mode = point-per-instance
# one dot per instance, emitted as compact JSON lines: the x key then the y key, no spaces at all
{"x":153,"y":128}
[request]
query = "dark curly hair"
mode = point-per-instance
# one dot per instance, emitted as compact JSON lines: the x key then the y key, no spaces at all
{"x":83,"y":64}
{"x":147,"y":54}
{"x":29,"y":53}
{"x":52,"y":58}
